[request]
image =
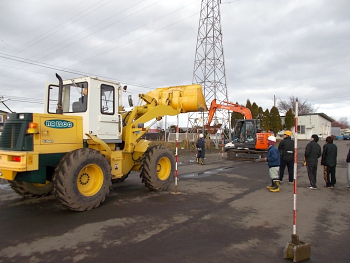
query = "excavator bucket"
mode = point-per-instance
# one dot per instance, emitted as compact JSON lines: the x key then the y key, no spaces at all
{"x":188,"y":98}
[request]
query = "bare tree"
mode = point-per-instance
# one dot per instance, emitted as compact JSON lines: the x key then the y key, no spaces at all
{"x":304,"y":106}
{"x":342,"y":123}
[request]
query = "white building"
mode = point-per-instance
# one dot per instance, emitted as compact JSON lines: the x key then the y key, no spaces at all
{"x":314,"y":123}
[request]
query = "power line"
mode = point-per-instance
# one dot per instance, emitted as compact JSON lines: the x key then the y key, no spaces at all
{"x":119,"y":36}
{"x":54,"y":18}
{"x":136,"y":39}
{"x":44,"y":65}
{"x":60,"y":26}
{"x":28,"y":61}
{"x":75,"y":36}
{"x":37,"y":63}
{"x":23,"y":99}
{"x":80,"y":39}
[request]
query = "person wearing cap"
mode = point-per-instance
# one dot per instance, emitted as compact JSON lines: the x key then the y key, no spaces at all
{"x":286,"y":149}
{"x":200,"y":145}
{"x":273,"y":161}
{"x":329,"y":160}
{"x":312,"y":153}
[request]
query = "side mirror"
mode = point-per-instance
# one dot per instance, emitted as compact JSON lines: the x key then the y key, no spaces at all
{"x":131,"y":103}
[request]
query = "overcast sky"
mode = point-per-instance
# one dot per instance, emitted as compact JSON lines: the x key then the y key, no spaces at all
{"x":284,"y":48}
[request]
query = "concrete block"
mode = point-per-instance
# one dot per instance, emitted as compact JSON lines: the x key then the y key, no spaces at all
{"x":297,"y":252}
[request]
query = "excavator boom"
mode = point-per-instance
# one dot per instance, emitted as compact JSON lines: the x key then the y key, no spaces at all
{"x":230,"y":107}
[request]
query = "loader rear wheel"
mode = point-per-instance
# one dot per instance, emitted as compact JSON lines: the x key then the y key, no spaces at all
{"x":82,"y":179}
{"x":31,"y":190}
{"x":157,"y":168}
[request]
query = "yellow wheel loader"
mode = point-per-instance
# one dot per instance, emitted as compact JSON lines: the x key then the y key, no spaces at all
{"x":85,"y":139}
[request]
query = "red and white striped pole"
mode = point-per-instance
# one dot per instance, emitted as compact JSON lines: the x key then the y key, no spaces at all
{"x":176,"y":153}
{"x":223,"y":144}
{"x":296,"y":250}
{"x":295,"y":169}
{"x":197,"y":159}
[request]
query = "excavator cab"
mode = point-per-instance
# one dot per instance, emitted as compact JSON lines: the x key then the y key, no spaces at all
{"x":245,"y":133}
{"x":249,"y":141}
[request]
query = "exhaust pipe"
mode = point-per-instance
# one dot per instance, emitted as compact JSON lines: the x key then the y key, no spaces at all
{"x":59,"y":109}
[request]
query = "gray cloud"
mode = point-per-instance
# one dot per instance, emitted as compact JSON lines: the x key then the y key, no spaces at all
{"x":271,"y":47}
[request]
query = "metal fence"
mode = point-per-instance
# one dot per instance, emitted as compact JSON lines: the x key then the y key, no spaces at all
{"x":191,"y":137}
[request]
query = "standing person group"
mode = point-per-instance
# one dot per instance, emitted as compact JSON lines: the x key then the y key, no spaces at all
{"x":286,"y":149}
{"x":329,"y":160}
{"x":200,"y":145}
{"x":278,"y":159}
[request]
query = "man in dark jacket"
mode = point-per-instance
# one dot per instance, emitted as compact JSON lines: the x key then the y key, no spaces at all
{"x":286,"y":149}
{"x":329,"y":160}
{"x":312,"y":153}
{"x":200,"y":145}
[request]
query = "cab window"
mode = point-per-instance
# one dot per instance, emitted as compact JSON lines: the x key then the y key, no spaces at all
{"x":74,"y":97}
{"x":107,"y":99}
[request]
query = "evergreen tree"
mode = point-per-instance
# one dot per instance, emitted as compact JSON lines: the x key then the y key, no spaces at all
{"x":260,"y":114}
{"x":248,"y":104}
{"x":275,"y":120}
{"x":290,"y":119}
{"x":265,"y":121}
{"x":255,"y":111}
{"x":234,"y":117}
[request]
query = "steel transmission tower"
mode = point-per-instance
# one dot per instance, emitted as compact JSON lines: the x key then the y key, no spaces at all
{"x":209,"y":65}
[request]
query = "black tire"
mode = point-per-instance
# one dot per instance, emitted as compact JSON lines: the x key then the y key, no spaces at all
{"x":157,"y":168}
{"x":82,"y":179}
{"x":121,"y":179}
{"x":31,"y":190}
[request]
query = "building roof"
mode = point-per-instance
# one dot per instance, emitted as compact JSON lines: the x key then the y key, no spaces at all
{"x":3,"y":112}
{"x":320,"y":114}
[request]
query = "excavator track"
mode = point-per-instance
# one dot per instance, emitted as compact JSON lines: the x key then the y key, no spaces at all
{"x":246,"y":154}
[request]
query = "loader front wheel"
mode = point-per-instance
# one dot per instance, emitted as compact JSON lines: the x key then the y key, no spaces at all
{"x":31,"y":190}
{"x":82,"y":179}
{"x":157,"y":168}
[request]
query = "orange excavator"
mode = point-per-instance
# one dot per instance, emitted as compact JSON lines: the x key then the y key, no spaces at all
{"x":249,"y":141}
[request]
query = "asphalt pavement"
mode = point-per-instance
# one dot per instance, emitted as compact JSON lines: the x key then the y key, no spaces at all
{"x":224,"y":214}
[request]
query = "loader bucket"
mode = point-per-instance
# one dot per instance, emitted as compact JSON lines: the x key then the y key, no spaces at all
{"x":188,"y":98}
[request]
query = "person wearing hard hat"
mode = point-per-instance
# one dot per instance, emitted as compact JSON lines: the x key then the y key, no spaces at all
{"x":200,"y":145}
{"x":273,"y":161}
{"x":286,"y":149}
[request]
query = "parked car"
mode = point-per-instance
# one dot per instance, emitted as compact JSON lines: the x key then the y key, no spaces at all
{"x":229,"y":146}
{"x":346,"y":137}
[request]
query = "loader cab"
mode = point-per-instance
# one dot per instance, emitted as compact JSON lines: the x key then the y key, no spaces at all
{"x":96,"y":101}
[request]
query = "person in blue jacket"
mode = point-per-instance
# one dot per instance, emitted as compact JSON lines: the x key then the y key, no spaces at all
{"x":273,"y":161}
